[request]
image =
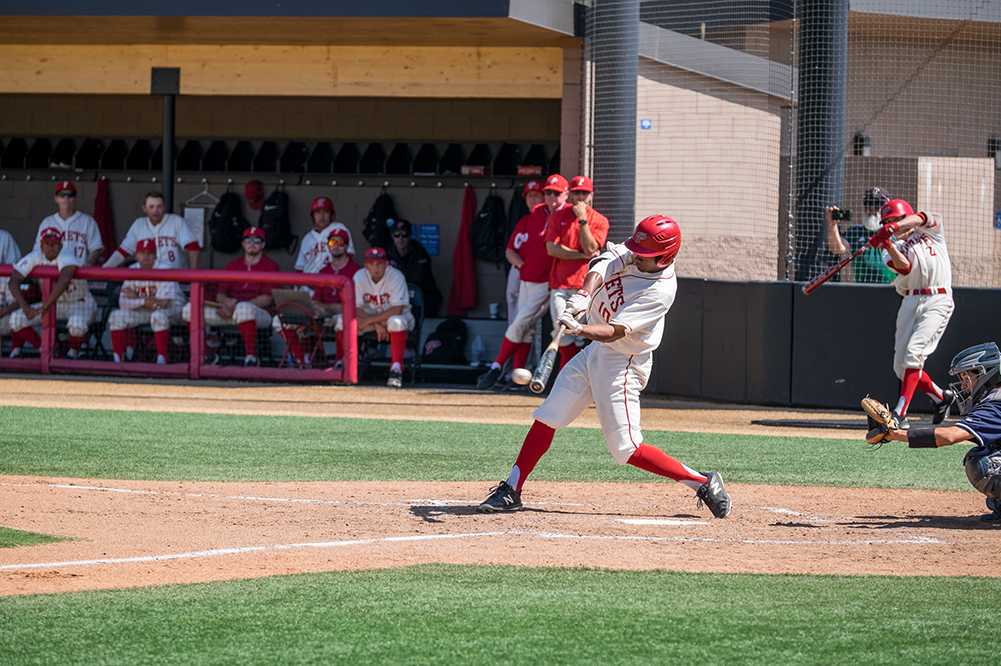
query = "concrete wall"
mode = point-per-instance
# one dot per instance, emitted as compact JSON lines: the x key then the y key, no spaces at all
{"x":711,"y":159}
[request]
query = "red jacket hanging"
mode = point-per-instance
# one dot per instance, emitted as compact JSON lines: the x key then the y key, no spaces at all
{"x":462,"y":296}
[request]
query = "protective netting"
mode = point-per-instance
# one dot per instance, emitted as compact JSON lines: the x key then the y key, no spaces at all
{"x":756,"y":116}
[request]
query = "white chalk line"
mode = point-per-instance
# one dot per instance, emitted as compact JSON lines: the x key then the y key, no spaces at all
{"x":670,"y":522}
{"x":549,"y":536}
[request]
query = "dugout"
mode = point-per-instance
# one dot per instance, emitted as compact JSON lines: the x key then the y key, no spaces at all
{"x":283,"y":94}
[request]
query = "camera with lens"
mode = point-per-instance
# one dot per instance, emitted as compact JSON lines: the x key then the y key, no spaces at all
{"x":841,"y":214}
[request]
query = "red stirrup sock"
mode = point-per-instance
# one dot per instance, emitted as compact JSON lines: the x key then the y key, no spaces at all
{"x":31,"y":336}
{"x":651,"y":459}
{"x":907,"y":387}
{"x":118,"y":342}
{"x":536,"y":443}
{"x":566,"y":353}
{"x":162,"y":340}
{"x":75,"y":342}
{"x":339,"y":339}
{"x":16,"y":339}
{"x":521,"y":354}
{"x":248,"y":331}
{"x":292,"y":340}
{"x":507,"y":348}
{"x":928,"y":387}
{"x":397,"y":346}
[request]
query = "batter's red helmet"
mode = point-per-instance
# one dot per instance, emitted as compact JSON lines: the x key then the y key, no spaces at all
{"x":894,"y":209}
{"x":656,"y":236}
{"x":321,"y":203}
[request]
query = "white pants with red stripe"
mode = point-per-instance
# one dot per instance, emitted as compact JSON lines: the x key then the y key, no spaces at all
{"x":78,"y":315}
{"x":511,"y":294}
{"x":533,"y":299}
{"x":613,"y":381}
{"x":244,"y":311}
{"x":158,"y":320}
{"x":921,"y":323}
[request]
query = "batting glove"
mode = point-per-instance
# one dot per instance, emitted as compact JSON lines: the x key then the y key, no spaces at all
{"x":578,"y":303}
{"x":569,"y":322}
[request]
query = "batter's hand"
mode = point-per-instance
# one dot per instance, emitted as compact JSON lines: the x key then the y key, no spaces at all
{"x":577,"y":304}
{"x":570,"y":323}
{"x":883,"y":235}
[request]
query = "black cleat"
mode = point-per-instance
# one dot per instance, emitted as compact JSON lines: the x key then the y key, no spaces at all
{"x":488,"y":379}
{"x":395,"y":379}
{"x":994,"y":506}
{"x":713,"y":494}
{"x":502,"y":498}
{"x":943,"y":408}
{"x":902,"y":422}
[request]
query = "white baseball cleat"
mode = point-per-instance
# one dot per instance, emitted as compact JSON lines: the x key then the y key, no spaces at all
{"x":161,"y":359}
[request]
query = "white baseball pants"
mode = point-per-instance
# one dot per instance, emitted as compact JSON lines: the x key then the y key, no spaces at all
{"x":921,"y":322}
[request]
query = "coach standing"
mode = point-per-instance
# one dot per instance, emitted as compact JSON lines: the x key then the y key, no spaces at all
{"x":574,"y":234}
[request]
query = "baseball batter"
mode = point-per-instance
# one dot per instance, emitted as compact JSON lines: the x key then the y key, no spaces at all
{"x":156,"y":303}
{"x":914,"y":247}
{"x":574,"y":235}
{"x":526,"y":250}
{"x":71,"y":297}
{"x":244,"y":304}
{"x":627,"y":291}
{"x":313,"y":253}
{"x":9,"y":254}
{"x":81,"y":236}
{"x":176,"y":245}
{"x":978,"y":398}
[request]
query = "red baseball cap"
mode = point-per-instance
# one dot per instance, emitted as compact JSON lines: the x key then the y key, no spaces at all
{"x":65,"y":186}
{"x":49,"y":233}
{"x":531,"y":186}
{"x":556,"y":183}
{"x":255,"y":232}
{"x":581,"y":184}
{"x":341,"y":234}
{"x":146,"y":245}
{"x":375,"y":254}
{"x":254,"y":193}
{"x":321,"y":203}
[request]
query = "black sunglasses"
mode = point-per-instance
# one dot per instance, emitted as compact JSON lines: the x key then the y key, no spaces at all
{"x":401,"y":234}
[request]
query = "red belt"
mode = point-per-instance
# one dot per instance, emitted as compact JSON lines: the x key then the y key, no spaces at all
{"x":927,"y":292}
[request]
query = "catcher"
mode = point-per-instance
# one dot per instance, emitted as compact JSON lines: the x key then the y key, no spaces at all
{"x":978,"y":392}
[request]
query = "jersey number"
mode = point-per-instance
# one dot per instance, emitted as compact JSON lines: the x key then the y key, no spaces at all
{"x":928,"y":244}
{"x":80,"y":252}
{"x":171,"y":257}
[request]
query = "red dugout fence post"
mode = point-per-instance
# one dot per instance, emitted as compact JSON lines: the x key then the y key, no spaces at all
{"x":196,"y":330}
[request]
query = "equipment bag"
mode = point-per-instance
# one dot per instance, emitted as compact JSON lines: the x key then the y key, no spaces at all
{"x":227,"y":224}
{"x":489,"y":231}
{"x":375,"y":231}
{"x":275,"y":221}
{"x":447,"y":344}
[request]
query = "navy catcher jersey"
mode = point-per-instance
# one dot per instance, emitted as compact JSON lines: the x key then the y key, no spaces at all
{"x":984,"y":421}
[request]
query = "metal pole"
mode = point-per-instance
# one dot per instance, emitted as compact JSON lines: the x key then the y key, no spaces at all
{"x":823,"y":66}
{"x":168,"y":151}
{"x":615,"y":51}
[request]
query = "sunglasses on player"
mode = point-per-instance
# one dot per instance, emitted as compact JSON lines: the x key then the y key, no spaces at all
{"x":255,"y":240}
{"x":401,"y":234}
{"x":336,"y":242}
{"x":67,"y":195}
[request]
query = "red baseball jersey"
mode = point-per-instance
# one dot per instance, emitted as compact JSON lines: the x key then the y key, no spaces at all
{"x":563,"y":229}
{"x":326,"y":295}
{"x":245,"y":291}
{"x":529,"y":240}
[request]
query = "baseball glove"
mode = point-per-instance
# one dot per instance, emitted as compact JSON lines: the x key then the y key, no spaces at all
{"x":881,"y":421}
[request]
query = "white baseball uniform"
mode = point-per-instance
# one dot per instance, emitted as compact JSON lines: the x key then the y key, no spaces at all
{"x":130,"y":311}
{"x":926,"y":289}
{"x":511,"y":293}
{"x":375,"y":297}
{"x":172,"y":236}
{"x":9,"y":254}
{"x":75,"y":305}
{"x":612,"y":374}
{"x":313,"y":252}
{"x":81,"y":235}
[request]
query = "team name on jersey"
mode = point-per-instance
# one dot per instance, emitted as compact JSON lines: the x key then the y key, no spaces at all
{"x":312,"y":253}
{"x":72,"y":236}
{"x":519,"y":240}
{"x":614,"y":298}
{"x":375,"y":299}
{"x":915,"y":239}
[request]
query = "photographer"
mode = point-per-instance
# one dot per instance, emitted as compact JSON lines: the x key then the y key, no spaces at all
{"x":867,"y":267}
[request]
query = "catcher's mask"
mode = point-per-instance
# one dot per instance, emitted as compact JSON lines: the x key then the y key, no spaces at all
{"x":978,"y":369}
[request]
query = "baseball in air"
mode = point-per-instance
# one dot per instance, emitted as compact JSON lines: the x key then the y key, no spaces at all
{"x":521,"y":376}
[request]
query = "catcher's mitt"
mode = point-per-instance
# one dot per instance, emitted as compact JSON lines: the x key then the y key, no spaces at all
{"x":881,"y":421}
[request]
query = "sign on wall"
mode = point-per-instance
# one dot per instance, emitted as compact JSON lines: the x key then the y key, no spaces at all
{"x":430,"y":237}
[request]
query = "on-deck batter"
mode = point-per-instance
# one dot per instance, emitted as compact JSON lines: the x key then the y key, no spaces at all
{"x":627,"y":292}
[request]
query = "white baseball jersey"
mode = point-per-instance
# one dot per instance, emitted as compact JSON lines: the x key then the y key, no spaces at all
{"x":313,"y":252}
{"x":81,"y":236}
{"x":172,"y":235}
{"x":631,"y":298}
{"x":375,"y":297}
{"x":77,"y":289}
{"x":925,"y":249}
{"x":9,"y":254}
{"x":163,"y":291}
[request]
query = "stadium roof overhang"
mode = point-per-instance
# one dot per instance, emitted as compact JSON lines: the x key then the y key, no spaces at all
{"x":494,"y":23}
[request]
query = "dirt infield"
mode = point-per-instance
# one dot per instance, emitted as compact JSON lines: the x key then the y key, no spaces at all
{"x":135,"y":533}
{"x":139,"y":533}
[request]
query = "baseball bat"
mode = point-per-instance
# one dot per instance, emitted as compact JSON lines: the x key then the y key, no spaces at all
{"x":546,"y":363}
{"x":812,"y":285}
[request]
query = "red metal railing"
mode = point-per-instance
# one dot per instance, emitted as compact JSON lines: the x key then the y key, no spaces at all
{"x":195,"y":367}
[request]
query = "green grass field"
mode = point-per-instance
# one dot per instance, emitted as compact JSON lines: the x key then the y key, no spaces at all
{"x":142,"y":445}
{"x":10,"y":538}
{"x":479,"y":614}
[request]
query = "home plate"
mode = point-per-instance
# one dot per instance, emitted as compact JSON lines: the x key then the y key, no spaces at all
{"x":676,"y":522}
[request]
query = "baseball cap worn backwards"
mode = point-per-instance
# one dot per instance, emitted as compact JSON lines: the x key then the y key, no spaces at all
{"x":146,"y":245}
{"x":51,"y":233}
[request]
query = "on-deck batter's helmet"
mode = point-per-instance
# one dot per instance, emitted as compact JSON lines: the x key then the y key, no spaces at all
{"x":895,"y":209}
{"x":656,"y":236}
{"x":321,"y":203}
